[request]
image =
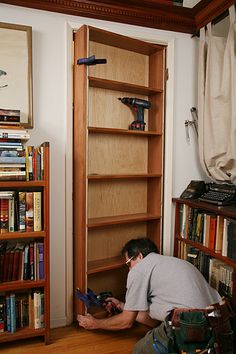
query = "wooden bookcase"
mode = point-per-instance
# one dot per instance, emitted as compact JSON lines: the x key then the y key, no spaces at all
{"x":24,"y":286}
{"x":118,"y":173}
{"x":225,"y":212}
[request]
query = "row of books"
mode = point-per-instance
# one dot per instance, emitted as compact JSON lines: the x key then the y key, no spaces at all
{"x":21,"y":310}
{"x":213,"y":231}
{"x":10,"y":117}
{"x":216,"y":272}
{"x":20,"y":211}
{"x":21,"y":261}
{"x":18,"y":162}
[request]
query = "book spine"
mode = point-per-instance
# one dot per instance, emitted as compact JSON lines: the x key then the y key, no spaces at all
{"x":22,"y":210}
{"x":27,"y":163}
{"x":41,"y":260}
{"x":30,"y":159}
{"x":11,"y":215}
{"x":13,"y":313}
{"x":8,"y":314}
{"x":31,"y":259}
{"x":31,"y":309}
{"x":37,"y":211}
{"x":37,"y":310}
{"x":4,"y":218}
{"x":16,"y":260}
{"x":2,"y":314}
{"x":42,"y":310}
{"x":29,"y":211}
{"x":26,"y":262}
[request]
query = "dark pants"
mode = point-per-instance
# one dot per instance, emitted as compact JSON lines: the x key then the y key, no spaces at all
{"x":155,"y":341}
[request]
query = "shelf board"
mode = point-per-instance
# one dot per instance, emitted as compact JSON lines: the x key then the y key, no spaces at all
{"x":21,"y":284}
{"x":21,"y":333}
{"x":120,"y":219}
{"x":207,"y":250}
{"x":122,"y":86}
{"x":134,"y":176}
{"x":100,"y":130}
{"x":226,"y":211}
{"x":24,"y":184}
{"x":22,"y":235}
{"x":105,"y":264}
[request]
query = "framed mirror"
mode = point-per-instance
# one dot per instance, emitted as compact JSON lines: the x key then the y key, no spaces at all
{"x":16,"y":73}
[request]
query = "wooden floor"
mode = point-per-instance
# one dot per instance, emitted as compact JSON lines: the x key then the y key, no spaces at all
{"x":75,"y":340}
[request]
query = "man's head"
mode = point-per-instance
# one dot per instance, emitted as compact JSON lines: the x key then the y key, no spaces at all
{"x":136,"y":249}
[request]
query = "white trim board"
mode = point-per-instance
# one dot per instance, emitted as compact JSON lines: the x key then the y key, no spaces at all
{"x":144,"y":34}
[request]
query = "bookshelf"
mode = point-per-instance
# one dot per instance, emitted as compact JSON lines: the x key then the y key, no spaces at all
{"x":118,"y":173}
{"x":186,"y":239}
{"x":37,"y":282}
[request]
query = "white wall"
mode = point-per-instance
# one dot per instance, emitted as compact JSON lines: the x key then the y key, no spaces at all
{"x":52,"y":122}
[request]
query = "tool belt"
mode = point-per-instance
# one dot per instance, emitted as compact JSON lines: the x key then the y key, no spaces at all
{"x":201,"y":330}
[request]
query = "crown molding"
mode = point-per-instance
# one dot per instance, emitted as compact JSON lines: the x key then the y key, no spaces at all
{"x":146,"y":13}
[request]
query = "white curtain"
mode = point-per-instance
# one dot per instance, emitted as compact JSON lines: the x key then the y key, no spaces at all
{"x":216,"y":103}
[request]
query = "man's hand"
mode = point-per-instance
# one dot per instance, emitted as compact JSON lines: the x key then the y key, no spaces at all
{"x":119,"y":304}
{"x":88,"y":321}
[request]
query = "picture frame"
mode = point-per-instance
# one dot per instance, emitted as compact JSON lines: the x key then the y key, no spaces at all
{"x":16,"y":71}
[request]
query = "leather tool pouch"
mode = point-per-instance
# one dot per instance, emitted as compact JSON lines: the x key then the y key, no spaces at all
{"x":201,"y":329}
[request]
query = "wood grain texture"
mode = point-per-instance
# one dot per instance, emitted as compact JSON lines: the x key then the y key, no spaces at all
{"x":147,"y":13}
{"x":75,"y":340}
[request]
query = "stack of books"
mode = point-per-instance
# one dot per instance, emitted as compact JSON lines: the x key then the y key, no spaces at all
{"x":12,"y":153}
{"x":10,"y":117}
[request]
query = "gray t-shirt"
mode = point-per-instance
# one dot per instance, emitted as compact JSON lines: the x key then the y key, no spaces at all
{"x":160,"y":283}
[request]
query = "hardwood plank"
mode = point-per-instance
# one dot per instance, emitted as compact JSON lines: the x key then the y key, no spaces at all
{"x":75,"y":340}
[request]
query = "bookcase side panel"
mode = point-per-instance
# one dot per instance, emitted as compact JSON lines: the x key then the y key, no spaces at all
{"x":79,"y":166}
{"x":46,"y":218}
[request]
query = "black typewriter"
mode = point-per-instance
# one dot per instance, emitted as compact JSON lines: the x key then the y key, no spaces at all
{"x":219,"y":194}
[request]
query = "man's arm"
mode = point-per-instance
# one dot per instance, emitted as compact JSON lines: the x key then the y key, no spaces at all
{"x":122,"y":321}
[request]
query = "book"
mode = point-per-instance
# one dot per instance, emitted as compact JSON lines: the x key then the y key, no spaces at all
{"x":11,"y":215}
{"x":42,"y":310}
{"x":31,"y":260}
{"x":2,"y":314}
{"x":212,"y":235}
{"x":30,"y":153}
{"x":4,"y":216}
{"x":37,"y":211}
{"x":37,"y":310}
{"x":22,"y":211}
{"x":225,"y":237}
{"x":12,"y":313}
{"x":219,"y":234}
{"x":26,"y":263}
{"x":31,"y":309}
{"x":14,"y":134}
{"x":12,"y":160}
{"x":8,"y":314}
{"x":40,"y":260}
{"x":231,"y":248}
{"x":3,"y":245}
{"x":12,"y":113}
{"x":214,"y":272}
{"x":29,"y":211}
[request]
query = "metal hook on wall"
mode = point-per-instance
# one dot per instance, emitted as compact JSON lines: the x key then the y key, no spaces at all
{"x":193,"y":122}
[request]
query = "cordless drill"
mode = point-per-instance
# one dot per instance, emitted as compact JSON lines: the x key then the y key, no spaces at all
{"x":138,"y":106}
